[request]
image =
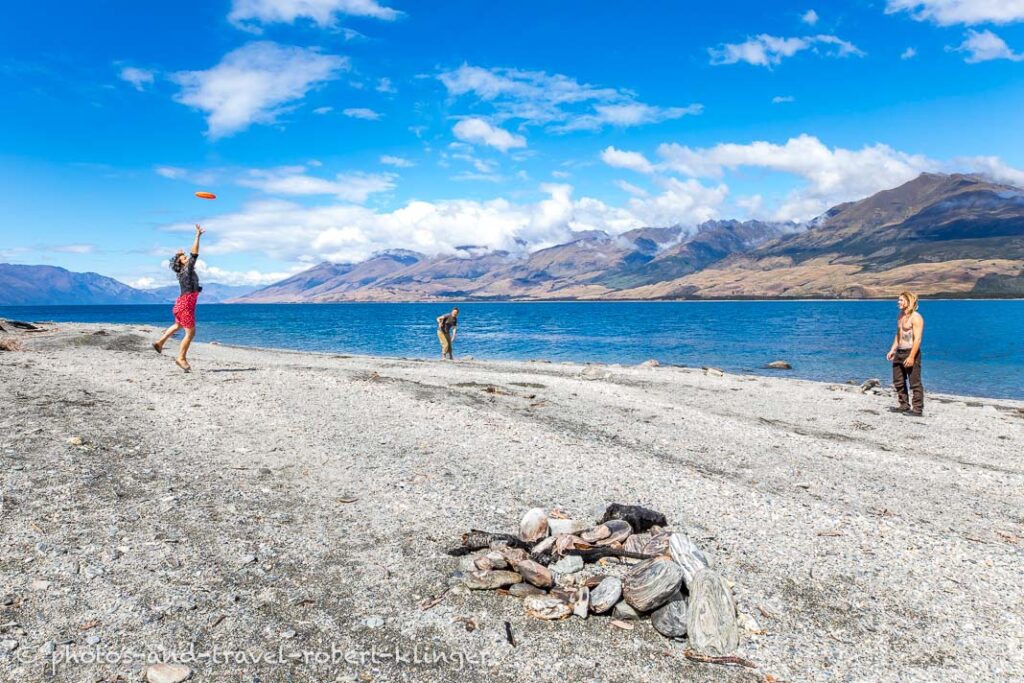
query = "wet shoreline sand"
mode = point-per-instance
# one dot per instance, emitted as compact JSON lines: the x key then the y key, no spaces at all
{"x":301,"y":502}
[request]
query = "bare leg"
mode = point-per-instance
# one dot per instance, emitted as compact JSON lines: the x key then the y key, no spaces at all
{"x":182,"y":361}
{"x":159,"y":343}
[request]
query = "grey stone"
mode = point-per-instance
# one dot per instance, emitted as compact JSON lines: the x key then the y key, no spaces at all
{"x":711,"y":624}
{"x":687,"y":555}
{"x":624,"y":611}
{"x":648,"y":585}
{"x":570,"y":564}
{"x":670,"y":619}
{"x":607,"y":593}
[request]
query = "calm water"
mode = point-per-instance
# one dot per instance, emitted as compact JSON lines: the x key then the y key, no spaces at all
{"x":971,"y":347}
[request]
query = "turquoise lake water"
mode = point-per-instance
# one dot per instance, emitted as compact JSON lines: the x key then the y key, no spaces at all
{"x":970,"y":347}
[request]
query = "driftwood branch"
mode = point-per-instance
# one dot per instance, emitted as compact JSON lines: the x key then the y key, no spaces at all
{"x":729,"y":660}
{"x":478,"y":540}
{"x":591,"y":554}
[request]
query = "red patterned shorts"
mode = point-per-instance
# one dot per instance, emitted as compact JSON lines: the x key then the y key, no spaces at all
{"x":185,"y":310}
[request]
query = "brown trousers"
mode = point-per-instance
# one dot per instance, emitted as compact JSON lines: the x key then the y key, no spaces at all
{"x":902,"y":376}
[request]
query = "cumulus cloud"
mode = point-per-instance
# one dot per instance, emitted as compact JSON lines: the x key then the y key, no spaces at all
{"x":832,"y":175}
{"x":245,"y":277}
{"x":384,"y":85}
{"x":348,"y":232}
{"x":909,"y":53}
{"x":984,"y":46}
{"x":949,"y":12}
{"x":323,"y":110}
{"x":139,"y":78}
{"x":362,"y":113}
{"x":766,"y":50}
{"x":783,"y":99}
{"x":294,"y":180}
{"x":397,"y":162}
{"x":248,"y":14}
{"x":558,"y":102}
{"x":633,"y":161}
{"x":810,"y":17}
{"x":481,"y":132}
{"x":255,"y":84}
{"x":992,"y":167}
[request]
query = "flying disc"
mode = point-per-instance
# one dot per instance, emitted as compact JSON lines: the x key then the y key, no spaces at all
{"x":206,"y":195}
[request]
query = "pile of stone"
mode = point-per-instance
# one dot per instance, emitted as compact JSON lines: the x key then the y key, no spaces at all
{"x":629,"y":566}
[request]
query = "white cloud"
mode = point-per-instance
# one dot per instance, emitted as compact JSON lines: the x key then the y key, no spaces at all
{"x":984,"y":46}
{"x":73,"y":248}
{"x":625,"y":115}
{"x":397,"y":162}
{"x":481,"y":132}
{"x":555,"y":100}
{"x":634,"y":161}
{"x":246,"y":13}
{"x":139,"y":78}
{"x":481,"y":165}
{"x":254,"y":83}
{"x":144,"y":282}
{"x":766,"y":50}
{"x":172,"y":172}
{"x":832,"y":175}
{"x":561,"y":175}
{"x":323,"y":110}
{"x":293,"y":180}
{"x":362,"y":113}
{"x":632,"y":189}
{"x":993,"y":167}
{"x":347,"y":232}
{"x":683,"y":202}
{"x":384,"y":85}
{"x":909,"y":53}
{"x":810,"y":17}
{"x":783,"y":99}
{"x":245,"y":277}
{"x":949,"y":12}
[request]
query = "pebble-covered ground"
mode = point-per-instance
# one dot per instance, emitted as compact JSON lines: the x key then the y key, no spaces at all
{"x":280,"y":516}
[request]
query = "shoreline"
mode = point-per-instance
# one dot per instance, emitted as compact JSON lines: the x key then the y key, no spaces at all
{"x":725,"y":367}
{"x":278,"y":498}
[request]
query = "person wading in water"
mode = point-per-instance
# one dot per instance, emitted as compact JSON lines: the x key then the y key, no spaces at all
{"x":185,"y":307}
{"x":446,"y":329}
{"x":905,"y":355}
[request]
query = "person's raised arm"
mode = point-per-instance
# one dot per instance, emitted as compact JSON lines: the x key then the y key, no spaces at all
{"x":195,"y":244}
{"x":918,"y":322}
{"x":439,"y":319}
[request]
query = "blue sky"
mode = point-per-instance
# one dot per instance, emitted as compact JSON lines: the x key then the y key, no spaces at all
{"x":331,"y":129}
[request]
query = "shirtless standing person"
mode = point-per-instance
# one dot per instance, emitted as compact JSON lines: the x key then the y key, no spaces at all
{"x":905,"y":355}
{"x":185,"y":306}
{"x":446,"y":329}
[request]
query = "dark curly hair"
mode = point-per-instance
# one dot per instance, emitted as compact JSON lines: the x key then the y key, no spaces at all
{"x":175,"y":263}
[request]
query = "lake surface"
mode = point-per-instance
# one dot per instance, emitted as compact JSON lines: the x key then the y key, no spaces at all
{"x":970,"y":347}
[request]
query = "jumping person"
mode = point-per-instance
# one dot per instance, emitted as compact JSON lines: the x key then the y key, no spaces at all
{"x":447,"y":326}
{"x":905,"y":355}
{"x":185,"y":306}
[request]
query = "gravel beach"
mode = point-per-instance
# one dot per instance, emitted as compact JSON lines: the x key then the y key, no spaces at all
{"x":273,"y":510}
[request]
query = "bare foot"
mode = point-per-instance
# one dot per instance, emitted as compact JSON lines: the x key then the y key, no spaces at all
{"x":183,"y":364}
{"x":157,"y":347}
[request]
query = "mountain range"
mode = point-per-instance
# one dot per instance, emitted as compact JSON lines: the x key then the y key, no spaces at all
{"x":953,"y":235}
{"x":30,"y":285}
{"x":938,"y":235}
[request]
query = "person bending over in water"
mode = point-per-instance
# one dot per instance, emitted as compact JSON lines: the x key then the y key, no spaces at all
{"x":447,"y":326}
{"x":905,"y":355}
{"x":185,"y":306}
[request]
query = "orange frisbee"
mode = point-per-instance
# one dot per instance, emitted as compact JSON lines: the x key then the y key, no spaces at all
{"x":206,"y":195}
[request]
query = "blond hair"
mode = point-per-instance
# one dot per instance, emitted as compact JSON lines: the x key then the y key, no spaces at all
{"x":911,"y":299}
